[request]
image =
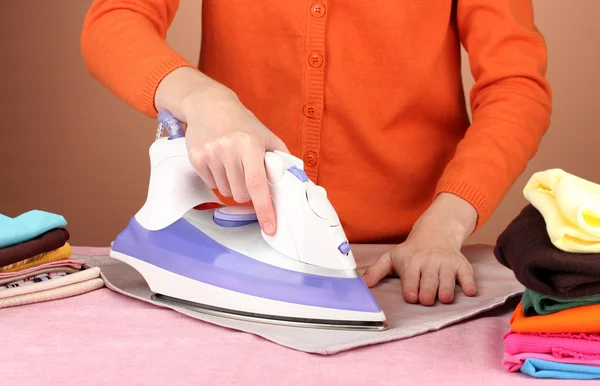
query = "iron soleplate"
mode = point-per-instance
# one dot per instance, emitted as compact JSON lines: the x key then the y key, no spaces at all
{"x":272,"y":319}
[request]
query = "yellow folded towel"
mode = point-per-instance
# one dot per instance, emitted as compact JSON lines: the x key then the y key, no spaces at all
{"x":61,"y":253}
{"x":571,"y":209}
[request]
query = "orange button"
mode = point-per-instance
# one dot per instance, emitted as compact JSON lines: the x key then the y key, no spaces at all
{"x":310,"y":110}
{"x":315,"y":60}
{"x":310,"y":158}
{"x":317,"y":10}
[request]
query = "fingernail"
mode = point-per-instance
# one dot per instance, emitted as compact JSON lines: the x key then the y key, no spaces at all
{"x":268,"y":228}
{"x":367,"y":282}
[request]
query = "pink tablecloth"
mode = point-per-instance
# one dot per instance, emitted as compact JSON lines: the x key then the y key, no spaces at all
{"x":106,"y":338}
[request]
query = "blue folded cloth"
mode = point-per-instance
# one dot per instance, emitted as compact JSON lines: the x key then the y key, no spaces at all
{"x":540,"y":368}
{"x":27,"y":226}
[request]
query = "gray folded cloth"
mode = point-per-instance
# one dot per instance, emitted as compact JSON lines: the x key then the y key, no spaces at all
{"x":495,"y":285}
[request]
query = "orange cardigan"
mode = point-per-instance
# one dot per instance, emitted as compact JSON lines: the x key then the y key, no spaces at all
{"x":368,"y":93}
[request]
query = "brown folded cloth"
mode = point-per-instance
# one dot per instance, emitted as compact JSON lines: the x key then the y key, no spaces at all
{"x":525,"y":247}
{"x":45,"y":242}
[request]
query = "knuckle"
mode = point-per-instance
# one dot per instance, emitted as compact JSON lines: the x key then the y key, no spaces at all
{"x":243,"y":138}
{"x":225,"y":192}
{"x":226,"y":143}
{"x":209,"y":183}
{"x":198,"y":158}
{"x":261,"y":210}
{"x":413,"y":266}
{"x":428,"y":266}
{"x":411,"y":277}
{"x":209,"y":150}
{"x":256,"y":183}
{"x":241,"y":198}
{"x":466,"y":268}
{"x":252,"y":141}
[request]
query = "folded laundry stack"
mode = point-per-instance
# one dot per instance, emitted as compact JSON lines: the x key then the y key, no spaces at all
{"x":553,"y":248}
{"x":36,"y":263}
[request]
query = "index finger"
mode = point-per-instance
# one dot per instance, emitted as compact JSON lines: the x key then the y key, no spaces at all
{"x":253,"y":162}
{"x":410,"y":277}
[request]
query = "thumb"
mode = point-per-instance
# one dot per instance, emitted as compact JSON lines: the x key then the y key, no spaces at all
{"x":274,"y":143}
{"x":378,"y":270}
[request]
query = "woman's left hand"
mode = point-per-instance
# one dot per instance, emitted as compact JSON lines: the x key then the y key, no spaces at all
{"x":429,"y":262}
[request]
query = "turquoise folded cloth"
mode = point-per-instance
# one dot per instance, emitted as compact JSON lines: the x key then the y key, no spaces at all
{"x":540,"y":368}
{"x":27,"y":226}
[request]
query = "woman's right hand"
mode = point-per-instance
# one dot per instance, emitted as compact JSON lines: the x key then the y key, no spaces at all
{"x":226,"y":143}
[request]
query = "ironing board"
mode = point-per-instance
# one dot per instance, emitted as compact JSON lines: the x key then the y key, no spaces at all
{"x":105,"y":338}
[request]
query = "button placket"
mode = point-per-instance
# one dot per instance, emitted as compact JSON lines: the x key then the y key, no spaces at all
{"x":314,"y":87}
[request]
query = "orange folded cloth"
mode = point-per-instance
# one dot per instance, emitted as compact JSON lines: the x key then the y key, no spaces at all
{"x":585,"y":319}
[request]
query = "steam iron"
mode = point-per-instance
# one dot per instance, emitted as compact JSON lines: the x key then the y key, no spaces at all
{"x":218,"y":261}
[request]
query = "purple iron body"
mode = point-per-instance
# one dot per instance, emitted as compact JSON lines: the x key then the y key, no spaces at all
{"x":219,"y":262}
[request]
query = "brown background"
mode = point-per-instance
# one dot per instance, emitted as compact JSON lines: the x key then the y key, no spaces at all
{"x":69,"y":147}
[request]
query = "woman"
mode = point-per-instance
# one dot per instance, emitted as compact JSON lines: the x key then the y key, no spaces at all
{"x":368,"y":93}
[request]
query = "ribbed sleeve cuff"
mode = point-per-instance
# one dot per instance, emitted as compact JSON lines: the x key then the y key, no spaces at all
{"x":472,"y":195}
{"x":160,"y":70}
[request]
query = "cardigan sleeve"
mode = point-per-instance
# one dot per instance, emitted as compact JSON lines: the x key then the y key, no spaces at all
{"x":511,"y":101}
{"x":123,"y":47}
